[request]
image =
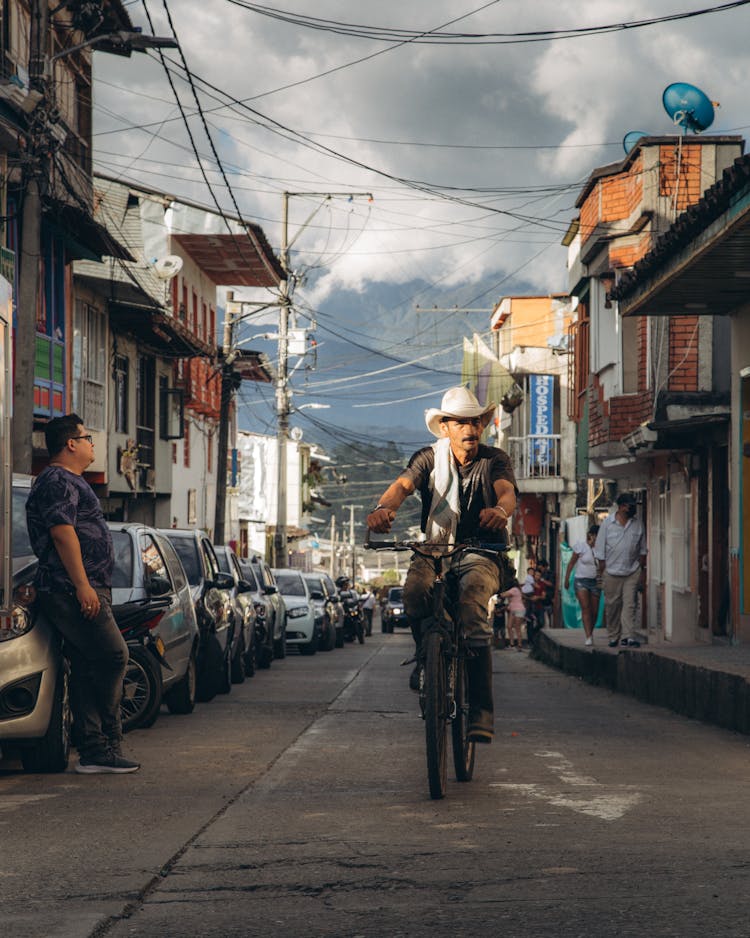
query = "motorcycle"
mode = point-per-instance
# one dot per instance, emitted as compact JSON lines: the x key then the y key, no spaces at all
{"x":354,"y":620}
{"x":141,"y":687}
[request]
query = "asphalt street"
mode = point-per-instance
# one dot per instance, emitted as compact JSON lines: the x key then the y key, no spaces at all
{"x":298,"y":806}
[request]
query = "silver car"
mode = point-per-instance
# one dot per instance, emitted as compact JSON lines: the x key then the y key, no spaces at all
{"x":34,"y":704}
{"x":301,"y":628}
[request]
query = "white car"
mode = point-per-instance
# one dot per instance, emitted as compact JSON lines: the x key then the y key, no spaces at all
{"x":301,"y":628}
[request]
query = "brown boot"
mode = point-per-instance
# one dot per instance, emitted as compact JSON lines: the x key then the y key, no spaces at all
{"x":481,"y":708}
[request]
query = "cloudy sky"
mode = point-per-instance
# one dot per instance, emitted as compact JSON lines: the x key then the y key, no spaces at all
{"x":472,"y":138}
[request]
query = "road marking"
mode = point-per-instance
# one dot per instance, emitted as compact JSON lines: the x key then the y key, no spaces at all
{"x":606,"y":805}
{"x":11,"y":802}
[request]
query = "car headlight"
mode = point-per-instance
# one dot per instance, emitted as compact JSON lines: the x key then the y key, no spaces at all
{"x":17,"y":623}
{"x":397,"y":610}
{"x":298,"y":611}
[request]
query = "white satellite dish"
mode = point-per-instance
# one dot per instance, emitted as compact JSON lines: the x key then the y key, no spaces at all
{"x":296,"y":434}
{"x":167,"y":267}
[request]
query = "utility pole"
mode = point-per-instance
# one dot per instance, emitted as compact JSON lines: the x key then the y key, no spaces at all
{"x":228,"y":387}
{"x":40,"y":141}
{"x":282,"y":374}
{"x":352,"y":509}
{"x":34,"y":170}
{"x":333,"y":543}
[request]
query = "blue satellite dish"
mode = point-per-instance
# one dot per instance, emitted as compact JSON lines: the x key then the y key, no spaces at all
{"x":688,"y":106}
{"x":631,"y":138}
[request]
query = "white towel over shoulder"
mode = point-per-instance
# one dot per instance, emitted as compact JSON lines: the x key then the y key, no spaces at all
{"x":445,"y":485}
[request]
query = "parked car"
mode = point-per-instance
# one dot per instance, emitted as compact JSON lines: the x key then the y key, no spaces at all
{"x":243,"y":613}
{"x":265,"y":576}
{"x":339,"y":609}
{"x":265,"y":615}
{"x":326,"y":610}
{"x":35,"y":716}
{"x":301,"y":628}
{"x":149,"y":580}
{"x":210,"y":591}
{"x":393,"y":611}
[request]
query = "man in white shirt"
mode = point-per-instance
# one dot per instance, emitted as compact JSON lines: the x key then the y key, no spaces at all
{"x":620,"y":551}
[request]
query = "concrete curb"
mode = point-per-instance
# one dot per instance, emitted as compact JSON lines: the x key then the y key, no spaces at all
{"x":712,"y":696}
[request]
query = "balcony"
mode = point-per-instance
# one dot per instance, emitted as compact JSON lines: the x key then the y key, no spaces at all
{"x":536,"y":462}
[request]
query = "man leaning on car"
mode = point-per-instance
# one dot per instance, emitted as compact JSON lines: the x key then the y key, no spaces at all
{"x":74,"y":590}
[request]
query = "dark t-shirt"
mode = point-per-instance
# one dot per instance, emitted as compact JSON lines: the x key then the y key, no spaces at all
{"x":472,"y":499}
{"x":62,"y":497}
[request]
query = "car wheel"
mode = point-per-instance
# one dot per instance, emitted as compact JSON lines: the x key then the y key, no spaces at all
{"x":279,"y":646}
{"x":181,"y":698}
{"x":330,"y":637}
{"x":141,"y":690}
{"x":225,"y":679}
{"x":250,"y":660}
{"x":237,"y":667}
{"x":265,"y":657}
{"x":210,"y":664}
{"x":52,"y":751}
{"x":309,"y":648}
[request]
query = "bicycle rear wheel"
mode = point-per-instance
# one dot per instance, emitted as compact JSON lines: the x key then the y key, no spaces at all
{"x":435,"y":716}
{"x":463,"y":749}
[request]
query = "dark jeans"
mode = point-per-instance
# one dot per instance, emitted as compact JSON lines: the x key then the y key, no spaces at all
{"x":478,"y":579}
{"x":98,"y":657}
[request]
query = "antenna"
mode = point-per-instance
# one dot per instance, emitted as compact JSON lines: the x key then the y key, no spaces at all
{"x":167,"y":267}
{"x":689,"y":107}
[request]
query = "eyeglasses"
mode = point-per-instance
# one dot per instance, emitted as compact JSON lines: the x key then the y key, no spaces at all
{"x":86,"y":436}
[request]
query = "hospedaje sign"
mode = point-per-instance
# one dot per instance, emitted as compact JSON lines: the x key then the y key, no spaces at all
{"x":541,"y":394}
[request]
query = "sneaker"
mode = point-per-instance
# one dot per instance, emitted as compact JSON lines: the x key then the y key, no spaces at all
{"x":624,"y":641}
{"x":108,"y":763}
{"x":632,"y":643}
{"x":612,"y":644}
{"x":589,"y":641}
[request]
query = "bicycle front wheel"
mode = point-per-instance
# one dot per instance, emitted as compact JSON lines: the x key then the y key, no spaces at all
{"x":435,"y":715}
{"x":463,"y":748}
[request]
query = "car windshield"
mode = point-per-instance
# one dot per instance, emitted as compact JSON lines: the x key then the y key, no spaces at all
{"x":21,"y":544}
{"x":290,"y":584}
{"x":395,"y":595}
{"x":122,"y":573}
{"x":187,"y":551}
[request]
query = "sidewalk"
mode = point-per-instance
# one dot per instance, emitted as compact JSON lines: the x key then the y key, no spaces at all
{"x":704,"y":682}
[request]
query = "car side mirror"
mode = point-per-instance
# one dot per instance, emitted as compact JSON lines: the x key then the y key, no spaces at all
{"x":270,"y":590}
{"x":223,"y":581}
{"x":316,"y":594}
{"x":158,"y":585}
{"x":244,"y":587}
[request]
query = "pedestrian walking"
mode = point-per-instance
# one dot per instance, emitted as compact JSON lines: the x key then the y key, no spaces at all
{"x":585,"y":581}
{"x":74,"y":592}
{"x":517,"y":614}
{"x":620,"y":551}
{"x":368,"y":605}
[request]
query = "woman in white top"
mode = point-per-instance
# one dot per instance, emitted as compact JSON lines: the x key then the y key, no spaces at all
{"x":585,"y":583}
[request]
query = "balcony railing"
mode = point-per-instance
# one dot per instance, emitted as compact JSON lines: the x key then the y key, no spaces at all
{"x":535,"y":457}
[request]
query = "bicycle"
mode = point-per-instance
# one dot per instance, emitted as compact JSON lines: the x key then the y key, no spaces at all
{"x":443,"y":684}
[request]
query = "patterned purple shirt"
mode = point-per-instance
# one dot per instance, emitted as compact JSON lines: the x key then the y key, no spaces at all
{"x":62,"y":497}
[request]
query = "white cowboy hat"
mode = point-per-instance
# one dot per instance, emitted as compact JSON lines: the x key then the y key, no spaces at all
{"x":457,"y":402}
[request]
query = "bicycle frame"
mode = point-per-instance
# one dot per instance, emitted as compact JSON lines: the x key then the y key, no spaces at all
{"x":443,"y":693}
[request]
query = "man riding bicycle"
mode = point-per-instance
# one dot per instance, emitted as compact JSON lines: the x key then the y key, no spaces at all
{"x":468,"y":491}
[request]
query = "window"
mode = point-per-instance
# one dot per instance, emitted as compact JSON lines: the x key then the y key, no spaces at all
{"x":171,"y":411}
{"x":90,"y":364}
{"x":173,"y":563}
{"x":122,"y":380}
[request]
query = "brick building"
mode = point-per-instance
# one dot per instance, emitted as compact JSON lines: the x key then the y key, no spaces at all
{"x":639,"y":386}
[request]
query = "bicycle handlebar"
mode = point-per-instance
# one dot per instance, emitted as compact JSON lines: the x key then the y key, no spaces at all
{"x":430,"y":550}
